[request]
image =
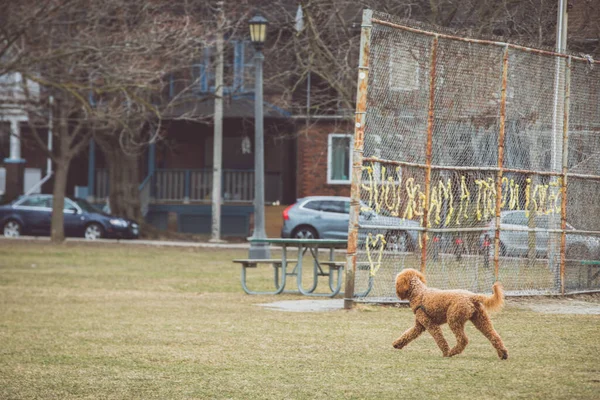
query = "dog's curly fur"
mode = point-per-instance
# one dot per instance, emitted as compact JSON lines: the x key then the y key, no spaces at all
{"x":434,"y":307}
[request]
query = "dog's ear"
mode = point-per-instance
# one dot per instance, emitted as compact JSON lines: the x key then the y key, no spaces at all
{"x":421,"y":276}
{"x":404,"y":279}
{"x":402,"y":285}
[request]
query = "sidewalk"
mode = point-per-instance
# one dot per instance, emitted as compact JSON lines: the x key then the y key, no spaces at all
{"x":143,"y":242}
{"x":134,"y":242}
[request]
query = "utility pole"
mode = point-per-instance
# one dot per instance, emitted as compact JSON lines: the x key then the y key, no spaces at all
{"x":218,"y":133}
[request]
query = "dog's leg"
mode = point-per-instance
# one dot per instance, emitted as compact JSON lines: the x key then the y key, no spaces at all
{"x":408,"y":336}
{"x":435,"y":331}
{"x":482,"y":321}
{"x":458,"y":327}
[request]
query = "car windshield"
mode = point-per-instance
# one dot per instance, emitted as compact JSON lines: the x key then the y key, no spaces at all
{"x":85,"y":206}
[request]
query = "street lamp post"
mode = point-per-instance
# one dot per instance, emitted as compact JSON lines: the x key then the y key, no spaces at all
{"x":258,"y":33}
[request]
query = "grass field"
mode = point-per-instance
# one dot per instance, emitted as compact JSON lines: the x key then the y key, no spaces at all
{"x":100,"y":321}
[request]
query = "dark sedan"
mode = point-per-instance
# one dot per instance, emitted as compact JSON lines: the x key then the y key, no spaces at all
{"x":31,"y":215}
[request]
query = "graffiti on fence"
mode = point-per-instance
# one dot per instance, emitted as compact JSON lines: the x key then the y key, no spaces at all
{"x":476,"y":202}
{"x":374,"y":244}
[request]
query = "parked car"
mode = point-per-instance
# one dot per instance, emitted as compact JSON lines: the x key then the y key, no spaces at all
{"x":327,"y":217}
{"x":31,"y":215}
{"x":514,"y":237}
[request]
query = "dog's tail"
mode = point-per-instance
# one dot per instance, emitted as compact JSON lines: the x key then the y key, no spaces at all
{"x":496,"y":300}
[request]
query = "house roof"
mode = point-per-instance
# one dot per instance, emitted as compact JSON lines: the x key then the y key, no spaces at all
{"x":241,"y":106}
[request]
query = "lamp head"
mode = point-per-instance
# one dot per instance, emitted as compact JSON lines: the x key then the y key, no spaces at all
{"x":258,"y":30}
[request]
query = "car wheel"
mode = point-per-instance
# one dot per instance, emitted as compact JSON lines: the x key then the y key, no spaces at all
{"x":305,"y":232}
{"x":94,"y":231}
{"x":12,"y":229}
{"x":398,"y":241}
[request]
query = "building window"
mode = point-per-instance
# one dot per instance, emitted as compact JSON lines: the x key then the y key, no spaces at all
{"x":339,"y":158}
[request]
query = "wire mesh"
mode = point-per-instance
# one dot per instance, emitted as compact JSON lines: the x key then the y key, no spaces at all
{"x":468,"y":150}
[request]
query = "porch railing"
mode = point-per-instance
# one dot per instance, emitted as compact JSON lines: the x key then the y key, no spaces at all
{"x":196,"y":185}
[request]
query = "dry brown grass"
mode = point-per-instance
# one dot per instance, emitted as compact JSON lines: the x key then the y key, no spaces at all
{"x":133,"y":322}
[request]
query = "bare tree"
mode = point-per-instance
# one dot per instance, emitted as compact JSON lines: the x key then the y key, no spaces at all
{"x":325,"y":43}
{"x":162,"y":81}
{"x":103,"y":64}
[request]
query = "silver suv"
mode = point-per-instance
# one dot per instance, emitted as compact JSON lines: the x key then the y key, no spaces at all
{"x":327,"y":217}
{"x":514,"y":240}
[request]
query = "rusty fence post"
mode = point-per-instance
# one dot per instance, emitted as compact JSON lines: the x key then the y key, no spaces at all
{"x":565,"y":158}
{"x":428,"y":151}
{"x":357,"y":155}
{"x":501,"y":137}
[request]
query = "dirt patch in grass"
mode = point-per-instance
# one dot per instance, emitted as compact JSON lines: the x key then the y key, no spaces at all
{"x":305,"y":305}
{"x":588,"y":304}
{"x":577,"y":304}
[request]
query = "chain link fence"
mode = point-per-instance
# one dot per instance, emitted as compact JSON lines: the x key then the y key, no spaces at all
{"x":474,"y":161}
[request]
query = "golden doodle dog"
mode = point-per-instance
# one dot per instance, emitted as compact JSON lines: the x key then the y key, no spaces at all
{"x":434,"y":307}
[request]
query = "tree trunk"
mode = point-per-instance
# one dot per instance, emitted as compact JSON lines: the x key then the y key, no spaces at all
{"x":124,"y":181}
{"x":60,"y":187}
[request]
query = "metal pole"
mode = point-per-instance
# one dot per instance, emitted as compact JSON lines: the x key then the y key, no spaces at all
{"x":92,"y":170}
{"x":218,"y":140}
{"x":561,"y":27}
{"x":499,"y":174}
{"x":259,"y":250}
{"x":50,"y":127}
{"x":565,"y":158}
{"x":556,"y":152}
{"x":357,"y":154}
{"x":428,"y":151}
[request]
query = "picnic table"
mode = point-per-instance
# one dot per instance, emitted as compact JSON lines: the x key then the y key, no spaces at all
{"x":307,"y":253}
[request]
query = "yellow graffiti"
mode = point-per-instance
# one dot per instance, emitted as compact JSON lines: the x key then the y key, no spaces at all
{"x":465,"y":201}
{"x":539,"y":198}
{"x":371,"y":244}
{"x":441,"y":193}
{"x":514,"y":203}
{"x":504,"y":190}
{"x":412,"y":191}
{"x":370,"y":187}
{"x":527,"y":196}
{"x":387,"y":190}
{"x":396,"y":189}
{"x":448,"y":194}
{"x":554,"y":198}
{"x":486,"y":198}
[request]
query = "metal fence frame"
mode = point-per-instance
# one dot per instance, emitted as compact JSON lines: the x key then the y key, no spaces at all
{"x":563,"y":95}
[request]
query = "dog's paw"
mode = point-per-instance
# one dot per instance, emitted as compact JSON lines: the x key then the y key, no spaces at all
{"x":398,"y":345}
{"x":503,"y":354}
